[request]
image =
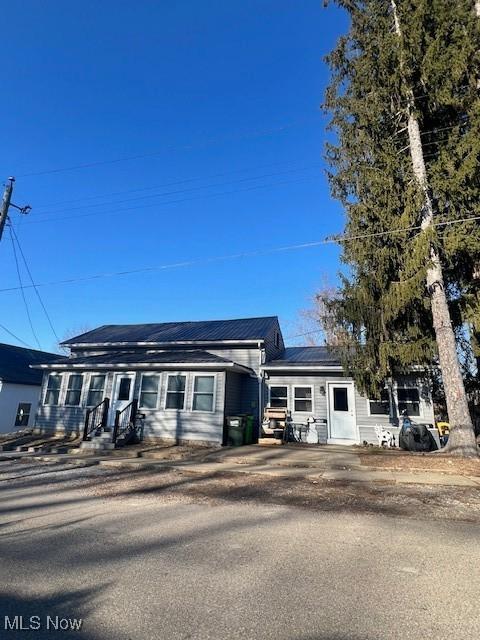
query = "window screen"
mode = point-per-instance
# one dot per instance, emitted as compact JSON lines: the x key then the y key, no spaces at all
{"x":124,"y":389}
{"x":381,"y":405}
{"x":53,"y":389}
{"x":74,"y":389}
{"x":409,"y":401}
{"x":149,"y":392}
{"x":303,"y":399}
{"x":340,"y":399}
{"x":203,"y":393}
{"x":95,"y":390}
{"x":278,"y":397}
{"x":176,"y":392}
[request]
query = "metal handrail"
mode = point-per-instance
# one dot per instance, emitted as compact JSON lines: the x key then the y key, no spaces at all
{"x":96,"y":418}
{"x":125,"y":420}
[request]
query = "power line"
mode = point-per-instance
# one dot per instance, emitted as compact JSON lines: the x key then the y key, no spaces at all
{"x":22,"y":290}
{"x":15,"y":337}
{"x":179,"y":191}
{"x":301,"y":335}
{"x":250,"y":134}
{"x":247,"y":254}
{"x":47,"y":315}
{"x":164,"y":184}
{"x":169,"y":202}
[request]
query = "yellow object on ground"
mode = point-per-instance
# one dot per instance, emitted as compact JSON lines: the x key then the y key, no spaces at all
{"x":443,"y":428}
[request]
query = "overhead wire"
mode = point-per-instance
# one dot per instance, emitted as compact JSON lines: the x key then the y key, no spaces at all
{"x":163,"y":185}
{"x":10,"y":333}
{"x":40,"y":300}
{"x":246,"y":254}
{"x":250,"y":134}
{"x":169,"y":202}
{"x":190,"y":189}
{"x":22,"y":290}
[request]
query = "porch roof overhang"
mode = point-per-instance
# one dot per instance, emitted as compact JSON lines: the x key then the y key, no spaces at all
{"x":288,"y":366}
{"x":197,"y":360}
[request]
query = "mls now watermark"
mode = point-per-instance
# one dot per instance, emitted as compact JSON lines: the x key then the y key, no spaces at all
{"x":50,"y":623}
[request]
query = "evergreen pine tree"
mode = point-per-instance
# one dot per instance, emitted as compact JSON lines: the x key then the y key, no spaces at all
{"x":405,"y":65}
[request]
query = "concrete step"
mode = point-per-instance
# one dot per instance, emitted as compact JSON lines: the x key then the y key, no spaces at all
{"x":97,"y":445}
{"x":107,"y":436}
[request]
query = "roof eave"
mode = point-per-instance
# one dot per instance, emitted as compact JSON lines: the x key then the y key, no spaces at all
{"x":99,"y":345}
{"x":128,"y":366}
{"x":303,"y":367}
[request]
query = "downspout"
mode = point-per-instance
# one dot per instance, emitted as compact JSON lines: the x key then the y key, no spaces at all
{"x":261,"y":361}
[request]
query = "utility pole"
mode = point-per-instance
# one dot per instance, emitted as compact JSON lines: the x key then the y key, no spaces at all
{"x":7,"y":203}
{"x":7,"y":197}
{"x":462,"y":436}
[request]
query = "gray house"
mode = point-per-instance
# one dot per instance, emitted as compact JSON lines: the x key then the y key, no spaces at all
{"x":186,"y":377}
{"x":19,"y":386}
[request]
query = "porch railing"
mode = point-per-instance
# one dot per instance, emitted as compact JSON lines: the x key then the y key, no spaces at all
{"x":96,"y":418}
{"x":125,"y":421}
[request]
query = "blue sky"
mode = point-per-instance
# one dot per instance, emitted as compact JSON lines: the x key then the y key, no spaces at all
{"x":200,"y":126}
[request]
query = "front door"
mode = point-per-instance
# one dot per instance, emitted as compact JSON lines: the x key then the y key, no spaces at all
{"x":341,"y":403}
{"x":122,"y":393}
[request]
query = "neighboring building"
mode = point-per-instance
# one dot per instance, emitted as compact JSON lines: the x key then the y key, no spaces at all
{"x":20,"y":386}
{"x":187,"y":377}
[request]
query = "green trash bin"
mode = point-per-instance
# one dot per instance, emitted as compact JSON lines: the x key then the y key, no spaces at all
{"x":248,"y":429}
{"x":235,"y":431}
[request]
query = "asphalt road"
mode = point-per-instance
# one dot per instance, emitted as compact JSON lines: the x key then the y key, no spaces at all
{"x":140,"y":568}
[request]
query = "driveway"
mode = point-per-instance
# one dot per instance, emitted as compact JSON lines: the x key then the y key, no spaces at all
{"x":142,"y":568}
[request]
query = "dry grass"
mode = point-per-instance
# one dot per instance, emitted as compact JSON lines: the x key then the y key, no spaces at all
{"x":402,"y":461}
{"x":418,"y":501}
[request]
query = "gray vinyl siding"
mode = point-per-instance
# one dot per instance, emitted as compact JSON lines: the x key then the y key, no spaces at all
{"x":233,"y":393}
{"x":319,"y":409}
{"x":245,"y":356}
{"x":182,"y":425}
{"x":159,"y":423}
{"x":271,"y":351}
{"x":365,"y":422}
{"x":62,"y":419}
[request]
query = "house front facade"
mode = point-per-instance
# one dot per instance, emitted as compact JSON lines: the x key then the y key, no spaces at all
{"x":186,"y":378}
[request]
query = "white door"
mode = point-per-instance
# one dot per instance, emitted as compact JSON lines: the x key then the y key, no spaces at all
{"x":122,"y":393}
{"x":341,"y":403}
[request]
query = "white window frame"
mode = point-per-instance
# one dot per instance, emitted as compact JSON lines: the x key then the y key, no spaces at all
{"x":172,"y":374}
{"x":67,"y":389}
{"x":159,"y":390}
{"x":49,"y":404}
{"x":87,"y":387}
{"x":214,"y":399}
{"x":287,"y":396}
{"x":312,"y":398}
{"x":391,"y":402}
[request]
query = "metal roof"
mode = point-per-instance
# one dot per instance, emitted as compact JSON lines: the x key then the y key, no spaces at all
{"x":117,"y":359}
{"x":15,"y":364}
{"x":177,"y":332}
{"x":297,"y":356}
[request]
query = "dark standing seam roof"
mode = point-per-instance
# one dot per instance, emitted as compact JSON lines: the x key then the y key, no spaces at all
{"x":15,"y":364}
{"x":207,"y":330}
{"x":161,"y":357}
{"x":306,"y":355}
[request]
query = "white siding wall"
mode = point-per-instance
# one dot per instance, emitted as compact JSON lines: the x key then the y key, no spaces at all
{"x":11,"y":395}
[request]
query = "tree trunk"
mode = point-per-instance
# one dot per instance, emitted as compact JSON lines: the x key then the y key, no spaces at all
{"x":462,"y":438}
